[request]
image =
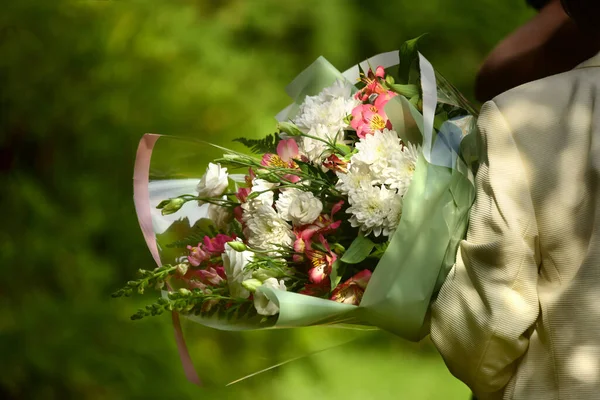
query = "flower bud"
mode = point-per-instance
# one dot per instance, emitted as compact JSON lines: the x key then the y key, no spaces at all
{"x":263,"y":274}
{"x":237,"y":246}
{"x":181,"y":269}
{"x":251,"y":284}
{"x":289,"y":128}
{"x":184,"y":292}
{"x":170,"y":206}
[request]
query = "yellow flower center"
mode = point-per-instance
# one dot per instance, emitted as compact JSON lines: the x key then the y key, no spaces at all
{"x":276,"y":161}
{"x":377,"y":123}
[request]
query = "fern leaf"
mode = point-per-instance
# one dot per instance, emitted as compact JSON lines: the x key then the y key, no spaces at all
{"x":261,"y":146}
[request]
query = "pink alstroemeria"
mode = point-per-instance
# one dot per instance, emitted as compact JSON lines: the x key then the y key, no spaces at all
{"x":300,"y":245}
{"x":382,"y":100}
{"x":367,"y":119}
{"x":321,"y":262}
{"x":242,"y":194}
{"x":372,"y":84}
{"x":317,"y":290}
{"x":216,"y":245}
{"x":324,"y":224}
{"x":351,"y":291}
{"x":334,"y":163}
{"x":287,"y":152}
{"x":197,"y":255}
{"x":291,"y":178}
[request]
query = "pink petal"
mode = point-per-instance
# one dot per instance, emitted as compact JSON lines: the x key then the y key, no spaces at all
{"x":337,"y":207}
{"x":287,"y":150}
{"x":380,"y":72}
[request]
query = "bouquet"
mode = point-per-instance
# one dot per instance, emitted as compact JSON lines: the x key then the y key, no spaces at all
{"x":351,"y":213}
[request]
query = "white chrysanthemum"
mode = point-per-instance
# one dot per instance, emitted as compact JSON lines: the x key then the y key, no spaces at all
{"x":263,"y":305}
{"x":266,"y":187}
{"x":214,"y":182}
{"x":220,"y":215}
{"x":393,"y":218}
{"x":340,"y":88}
{"x":329,"y":108}
{"x":317,"y":149}
{"x":358,"y":175}
{"x":377,"y":150}
{"x":372,"y":208}
{"x":401,"y":168}
{"x":265,"y":229}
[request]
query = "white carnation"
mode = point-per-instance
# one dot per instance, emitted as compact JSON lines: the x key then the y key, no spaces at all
{"x":235,"y":263}
{"x":285,"y":200}
{"x":265,"y":229}
{"x":214,"y":182}
{"x":263,"y":305}
{"x":374,"y":209}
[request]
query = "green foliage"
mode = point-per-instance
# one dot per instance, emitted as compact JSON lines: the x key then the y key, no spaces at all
{"x":408,"y":57}
{"x":153,"y":279}
{"x":260,"y":146}
{"x":359,"y":250}
{"x":80,"y":82}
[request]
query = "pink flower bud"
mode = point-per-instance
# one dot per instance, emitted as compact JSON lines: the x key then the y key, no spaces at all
{"x":197,"y":255}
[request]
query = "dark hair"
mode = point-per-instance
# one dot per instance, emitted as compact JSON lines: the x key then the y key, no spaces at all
{"x":586,"y":13}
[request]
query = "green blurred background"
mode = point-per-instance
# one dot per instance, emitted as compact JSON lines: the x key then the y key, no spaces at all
{"x":80,"y":82}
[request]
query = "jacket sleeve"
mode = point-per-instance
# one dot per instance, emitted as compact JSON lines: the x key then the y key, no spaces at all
{"x":482,"y":316}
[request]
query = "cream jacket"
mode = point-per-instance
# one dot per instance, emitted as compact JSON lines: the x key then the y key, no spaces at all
{"x":519,"y":315}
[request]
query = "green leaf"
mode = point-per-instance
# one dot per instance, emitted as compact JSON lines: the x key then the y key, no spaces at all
{"x":337,"y":271}
{"x":359,"y":250}
{"x":408,"y":55}
{"x":260,"y":146}
{"x":379,"y":250}
{"x":407,"y":91}
{"x":439,"y":120}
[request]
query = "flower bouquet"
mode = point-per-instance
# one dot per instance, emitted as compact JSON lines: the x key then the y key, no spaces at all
{"x":350,"y":214}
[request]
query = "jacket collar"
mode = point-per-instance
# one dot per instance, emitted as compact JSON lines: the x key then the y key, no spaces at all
{"x":592,"y":62}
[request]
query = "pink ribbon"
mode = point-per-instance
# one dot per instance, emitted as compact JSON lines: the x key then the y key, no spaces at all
{"x":141,"y":199}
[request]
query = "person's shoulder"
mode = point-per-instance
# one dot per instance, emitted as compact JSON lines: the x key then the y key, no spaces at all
{"x":540,"y":96}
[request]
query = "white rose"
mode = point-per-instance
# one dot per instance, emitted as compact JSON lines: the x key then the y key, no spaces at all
{"x":263,"y":305}
{"x":284,"y":202}
{"x":214,"y":182}
{"x":220,"y":215}
{"x":235,"y":263}
{"x":305,"y":209}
